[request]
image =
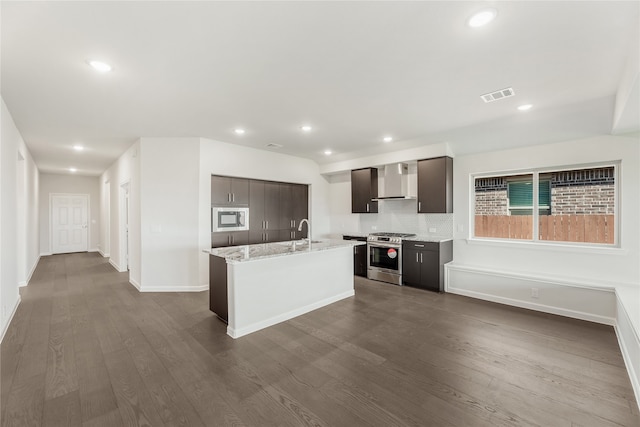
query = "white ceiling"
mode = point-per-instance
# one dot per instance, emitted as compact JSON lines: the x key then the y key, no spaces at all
{"x":355,"y":71}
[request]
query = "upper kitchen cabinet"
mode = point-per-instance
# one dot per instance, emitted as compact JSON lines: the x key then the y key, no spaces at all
{"x":294,"y":207}
{"x":364,"y":187}
{"x":264,"y":211}
{"x":227,"y":191}
{"x":435,"y":185}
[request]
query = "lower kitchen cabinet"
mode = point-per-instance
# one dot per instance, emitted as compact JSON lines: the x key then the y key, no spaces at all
{"x":218,"y":287}
{"x":423,"y":263}
{"x":230,"y":238}
{"x":359,"y":256}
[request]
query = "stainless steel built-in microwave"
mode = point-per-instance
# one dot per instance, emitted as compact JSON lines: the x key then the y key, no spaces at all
{"x":229,"y":219}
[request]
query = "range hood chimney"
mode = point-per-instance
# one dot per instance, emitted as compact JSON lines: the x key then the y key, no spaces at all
{"x":396,"y":186}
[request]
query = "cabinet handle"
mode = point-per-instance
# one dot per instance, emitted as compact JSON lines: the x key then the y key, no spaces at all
{"x":263,"y":228}
{"x":233,"y":197}
{"x":420,"y":257}
{"x":228,"y":240}
{"x":367,"y":207}
{"x":229,"y":197}
{"x":417,"y":257}
{"x":419,"y":246}
{"x":267,"y":227}
{"x":419,"y":206}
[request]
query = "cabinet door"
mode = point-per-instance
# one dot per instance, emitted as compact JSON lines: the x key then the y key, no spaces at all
{"x":239,"y":238}
{"x":256,"y":208}
{"x":220,"y":191}
{"x":300,"y":196}
{"x":220,"y":240}
{"x":435,"y":185}
{"x":360,"y":260}
{"x":411,"y":266}
{"x":364,"y":187}
{"x":218,"y":287}
{"x":286,"y":207}
{"x":272,"y":206}
{"x":257,"y":236}
{"x":430,"y":270}
{"x":239,"y":188}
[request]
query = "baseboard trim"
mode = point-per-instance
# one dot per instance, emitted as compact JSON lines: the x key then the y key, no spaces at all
{"x":174,"y":288}
{"x":103,"y":254}
{"x":134,"y":283}
{"x":10,"y":318}
{"x":116,"y":266}
{"x":94,"y":250}
{"x":46,"y":253}
{"x":536,"y":307}
{"x":628,"y":347}
{"x":237,"y":333}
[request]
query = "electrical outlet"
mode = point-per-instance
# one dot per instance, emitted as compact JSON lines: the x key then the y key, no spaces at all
{"x":432,"y":230}
{"x":534,"y":292}
{"x":374,"y":227}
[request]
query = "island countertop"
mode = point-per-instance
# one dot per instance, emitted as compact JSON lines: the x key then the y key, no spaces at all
{"x":244,"y":253}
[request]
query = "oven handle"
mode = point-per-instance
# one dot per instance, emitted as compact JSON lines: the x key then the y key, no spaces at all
{"x":384,"y":245}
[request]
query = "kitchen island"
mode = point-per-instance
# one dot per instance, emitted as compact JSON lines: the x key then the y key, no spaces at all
{"x":256,"y":286}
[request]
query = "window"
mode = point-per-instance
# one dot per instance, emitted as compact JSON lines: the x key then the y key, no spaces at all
{"x":576,"y":205}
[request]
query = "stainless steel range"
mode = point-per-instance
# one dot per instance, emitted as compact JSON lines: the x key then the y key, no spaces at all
{"x":384,"y":261}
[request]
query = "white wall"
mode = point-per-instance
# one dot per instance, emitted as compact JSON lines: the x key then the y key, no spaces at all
{"x":70,"y":184}
{"x":126,"y":170}
{"x":604,"y":265}
{"x":13,"y":268}
{"x":169,"y":213}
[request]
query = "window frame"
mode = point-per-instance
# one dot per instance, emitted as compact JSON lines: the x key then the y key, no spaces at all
{"x":536,"y":172}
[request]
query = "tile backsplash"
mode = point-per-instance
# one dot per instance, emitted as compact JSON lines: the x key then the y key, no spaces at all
{"x":398,"y":216}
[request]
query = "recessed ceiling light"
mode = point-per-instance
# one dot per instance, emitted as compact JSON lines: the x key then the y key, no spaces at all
{"x":239,"y":131}
{"x":78,"y":147}
{"x":306,"y":128}
{"x":482,"y":17}
{"x":525,"y":107}
{"x":328,"y":152}
{"x":99,"y":66}
{"x":387,"y":139}
{"x":73,"y":170}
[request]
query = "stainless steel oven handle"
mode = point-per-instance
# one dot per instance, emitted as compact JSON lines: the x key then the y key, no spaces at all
{"x":385,"y":245}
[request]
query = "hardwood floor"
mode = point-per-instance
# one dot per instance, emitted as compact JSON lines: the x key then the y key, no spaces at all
{"x":86,"y":348}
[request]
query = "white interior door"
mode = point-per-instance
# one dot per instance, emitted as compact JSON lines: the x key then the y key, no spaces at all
{"x":69,"y":230}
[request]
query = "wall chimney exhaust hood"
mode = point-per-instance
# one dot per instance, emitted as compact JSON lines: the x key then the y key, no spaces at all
{"x":396,"y":180}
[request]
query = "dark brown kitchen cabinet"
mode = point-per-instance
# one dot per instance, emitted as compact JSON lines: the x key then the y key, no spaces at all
{"x":423,"y":264}
{"x":435,"y":185}
{"x":364,"y":187}
{"x":264,"y":211}
{"x":227,"y":191}
{"x":218,"y":299}
{"x":359,"y":256}
{"x":294,"y":207}
{"x":231,"y":238}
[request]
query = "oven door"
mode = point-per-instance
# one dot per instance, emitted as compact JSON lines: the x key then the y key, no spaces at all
{"x":384,"y":257}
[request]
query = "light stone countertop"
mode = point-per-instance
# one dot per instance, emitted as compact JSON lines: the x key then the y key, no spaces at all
{"x":427,"y":238}
{"x":236,"y":254}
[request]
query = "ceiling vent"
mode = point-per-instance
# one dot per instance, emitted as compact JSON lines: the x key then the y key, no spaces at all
{"x":273,"y":145}
{"x":499,"y":94}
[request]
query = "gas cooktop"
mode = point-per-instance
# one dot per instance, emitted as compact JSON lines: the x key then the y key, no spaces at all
{"x":383,"y":234}
{"x":388,"y":237}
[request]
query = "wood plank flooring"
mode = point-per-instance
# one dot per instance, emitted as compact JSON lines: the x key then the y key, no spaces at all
{"x":85,"y":348}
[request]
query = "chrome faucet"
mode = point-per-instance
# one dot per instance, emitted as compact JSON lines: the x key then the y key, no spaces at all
{"x":308,"y":229}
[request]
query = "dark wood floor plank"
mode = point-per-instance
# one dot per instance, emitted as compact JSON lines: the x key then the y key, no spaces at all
{"x":86,"y":348}
{"x":63,"y":411}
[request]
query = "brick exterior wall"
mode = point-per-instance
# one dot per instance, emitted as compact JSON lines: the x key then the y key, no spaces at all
{"x":491,"y":196}
{"x":581,"y":192}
